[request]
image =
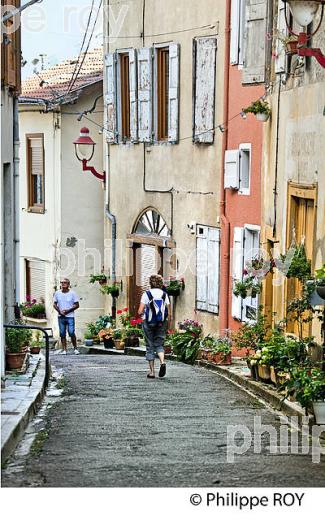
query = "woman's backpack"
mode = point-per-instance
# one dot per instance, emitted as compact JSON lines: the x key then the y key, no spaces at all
{"x":156,"y":311}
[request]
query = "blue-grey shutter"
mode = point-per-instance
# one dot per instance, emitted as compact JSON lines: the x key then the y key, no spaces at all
{"x":255,"y":42}
{"x":133,"y":73}
{"x":110,"y":98}
{"x":173,"y":96}
{"x":202,"y":268}
{"x":205,"y":86}
{"x":145,"y":95}
{"x":213,"y":269}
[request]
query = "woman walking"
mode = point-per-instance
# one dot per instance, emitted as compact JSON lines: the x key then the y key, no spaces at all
{"x":154,"y":309}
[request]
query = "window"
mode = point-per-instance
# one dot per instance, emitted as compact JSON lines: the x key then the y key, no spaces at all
{"x":207,"y":269}
{"x":245,"y":248}
{"x":142,"y":95}
{"x":238,"y":15}
{"x":204,"y":52}
{"x":35,"y":172}
{"x":125,"y":96}
{"x":238,"y":169}
{"x":162,"y":64}
{"x":35,"y":279}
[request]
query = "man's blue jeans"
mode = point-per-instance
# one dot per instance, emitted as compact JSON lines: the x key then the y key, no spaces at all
{"x":64,"y":324}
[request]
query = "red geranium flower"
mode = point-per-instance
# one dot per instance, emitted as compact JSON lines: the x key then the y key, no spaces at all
{"x":125,"y":310}
{"x":139,"y":321}
{"x":133,"y":322}
{"x":119,"y":312}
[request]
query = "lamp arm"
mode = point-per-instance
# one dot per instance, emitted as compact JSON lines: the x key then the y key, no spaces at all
{"x":315,"y":53}
{"x":91,"y":169}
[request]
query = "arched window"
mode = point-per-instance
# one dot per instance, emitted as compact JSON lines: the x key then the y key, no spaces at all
{"x":152,"y":223}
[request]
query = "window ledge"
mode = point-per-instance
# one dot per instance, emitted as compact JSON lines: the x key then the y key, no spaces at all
{"x":36,"y":210}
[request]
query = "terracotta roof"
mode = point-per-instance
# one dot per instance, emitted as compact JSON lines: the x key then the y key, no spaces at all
{"x":57,"y":78}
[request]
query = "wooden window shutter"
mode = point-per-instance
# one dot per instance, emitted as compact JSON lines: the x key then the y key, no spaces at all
{"x":237,"y":270}
{"x":255,"y":40}
{"x":201,"y":268}
{"x":204,"y":89}
{"x":110,"y":98}
{"x":234,"y":41}
{"x":173,"y":95}
{"x":280,"y":61}
{"x":133,"y":73}
{"x":145,"y":95}
{"x":232,"y":169}
{"x":213,"y":269}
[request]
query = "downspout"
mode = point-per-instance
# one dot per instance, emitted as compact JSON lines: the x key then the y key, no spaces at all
{"x":225,"y":225}
{"x":108,"y":214}
{"x":275,"y":188}
{"x":16,"y":144}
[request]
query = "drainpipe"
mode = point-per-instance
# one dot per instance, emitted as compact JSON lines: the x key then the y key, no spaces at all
{"x":108,"y":214}
{"x":225,"y":225}
{"x":16,"y":144}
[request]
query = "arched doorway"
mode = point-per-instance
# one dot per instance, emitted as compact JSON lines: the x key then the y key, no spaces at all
{"x":151,"y":249}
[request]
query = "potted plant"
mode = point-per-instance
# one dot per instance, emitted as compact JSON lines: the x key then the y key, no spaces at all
{"x":260,"y":108}
{"x":113,"y":290}
{"x":247,"y":287}
{"x":16,"y":341}
{"x":295,"y":264}
{"x":88,"y":337}
{"x":33,"y":309}
{"x":218,"y":350}
{"x":117,"y":336}
{"x":131,"y":339}
{"x":106,"y":335}
{"x":175,"y":287}
{"x":320,"y":282}
{"x":100,"y":278}
{"x":308,"y":385}
{"x":35,"y":346}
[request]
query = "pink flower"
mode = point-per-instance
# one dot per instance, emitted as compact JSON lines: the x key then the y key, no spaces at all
{"x":28,"y":298}
{"x":34,"y":300}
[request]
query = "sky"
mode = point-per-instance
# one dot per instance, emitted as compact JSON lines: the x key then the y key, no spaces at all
{"x":56,"y":28}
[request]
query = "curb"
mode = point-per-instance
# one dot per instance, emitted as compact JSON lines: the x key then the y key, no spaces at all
{"x":28,"y":411}
{"x":260,"y":390}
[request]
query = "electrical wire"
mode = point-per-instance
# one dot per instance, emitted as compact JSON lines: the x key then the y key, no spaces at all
{"x":89,"y":41}
{"x":82,"y":45}
{"x":209,"y":26}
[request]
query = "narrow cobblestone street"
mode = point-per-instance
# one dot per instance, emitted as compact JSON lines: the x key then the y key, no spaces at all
{"x":114,"y":428}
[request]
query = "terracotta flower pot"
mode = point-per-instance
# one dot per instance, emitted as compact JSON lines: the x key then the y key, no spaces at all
{"x":14,"y":361}
{"x":292,"y":47}
{"x":221,"y":359}
{"x":132,"y":342}
{"x":35,"y":350}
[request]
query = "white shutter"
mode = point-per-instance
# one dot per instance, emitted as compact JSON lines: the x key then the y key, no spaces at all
{"x":145,"y":95}
{"x":251,"y":248}
{"x":110,"y":98}
{"x":234,"y":42}
{"x":255,"y":39}
{"x":232,"y":169}
{"x":213,"y":269}
{"x":237,"y":270}
{"x":173,"y":97}
{"x":202,"y":269}
{"x":280,"y":60}
{"x":205,"y":83}
{"x":133,"y":95}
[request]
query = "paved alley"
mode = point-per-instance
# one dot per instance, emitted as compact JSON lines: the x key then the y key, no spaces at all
{"x":114,"y":428}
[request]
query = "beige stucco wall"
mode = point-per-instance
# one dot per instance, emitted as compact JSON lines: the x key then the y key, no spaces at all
{"x":186,"y":168}
{"x":301,"y":159}
{"x":74,"y":203}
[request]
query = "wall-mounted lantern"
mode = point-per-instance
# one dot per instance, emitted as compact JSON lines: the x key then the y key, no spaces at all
{"x":84,"y":149}
{"x":304,"y":12}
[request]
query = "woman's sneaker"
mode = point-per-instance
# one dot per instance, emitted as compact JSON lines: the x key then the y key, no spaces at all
{"x":76,"y":351}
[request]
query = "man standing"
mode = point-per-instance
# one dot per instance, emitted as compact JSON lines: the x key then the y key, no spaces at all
{"x":65,"y":303}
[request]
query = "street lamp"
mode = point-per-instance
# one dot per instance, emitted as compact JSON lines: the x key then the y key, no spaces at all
{"x":303,"y":12}
{"x":84,"y":150}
